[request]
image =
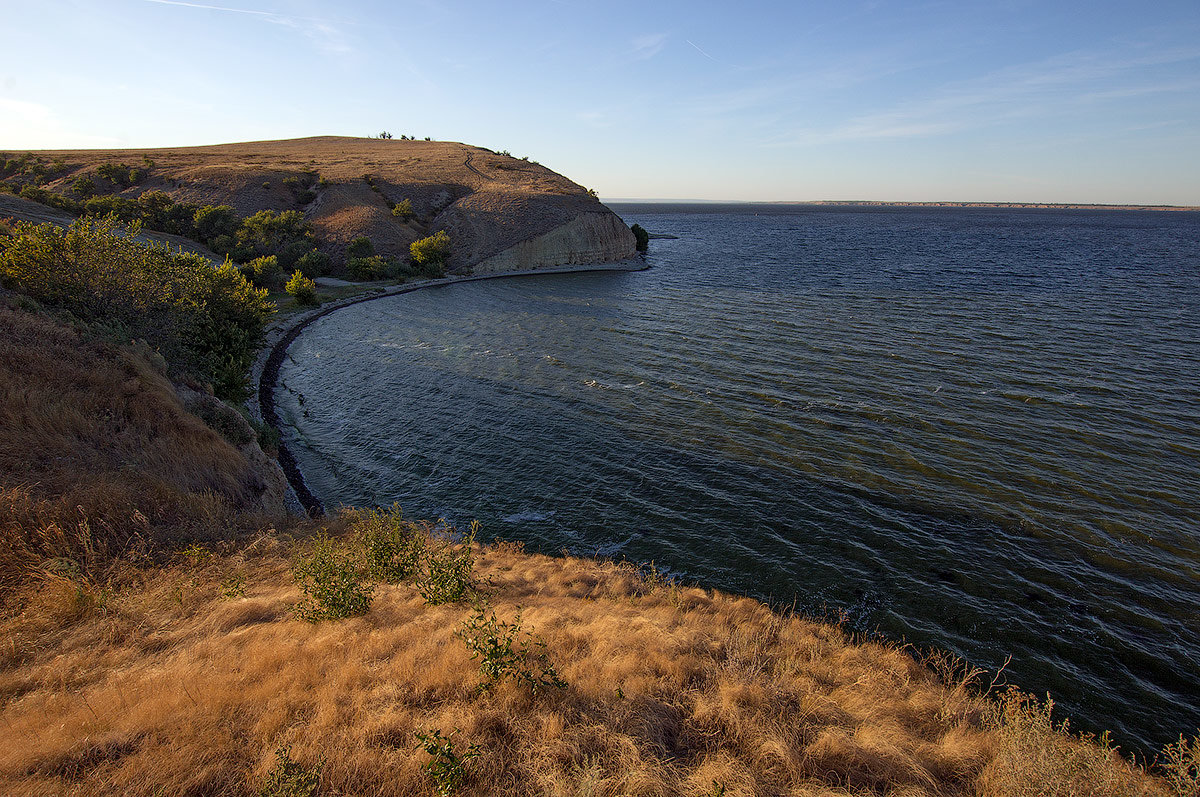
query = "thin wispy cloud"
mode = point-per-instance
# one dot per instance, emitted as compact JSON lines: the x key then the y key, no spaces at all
{"x":1046,"y":88}
{"x":211,"y":8}
{"x":648,"y":46}
{"x":324,"y":33}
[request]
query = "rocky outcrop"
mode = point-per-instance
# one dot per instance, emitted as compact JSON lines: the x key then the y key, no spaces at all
{"x":587,"y":238}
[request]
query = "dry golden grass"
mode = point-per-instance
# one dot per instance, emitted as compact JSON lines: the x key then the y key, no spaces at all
{"x":170,"y":688}
{"x":98,"y":456}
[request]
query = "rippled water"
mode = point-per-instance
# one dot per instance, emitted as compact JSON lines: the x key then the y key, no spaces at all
{"x":976,"y":429}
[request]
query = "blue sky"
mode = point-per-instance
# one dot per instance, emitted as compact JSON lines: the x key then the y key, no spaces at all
{"x":1006,"y":101}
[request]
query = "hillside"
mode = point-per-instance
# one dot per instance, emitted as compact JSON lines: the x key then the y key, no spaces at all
{"x":502,"y":213}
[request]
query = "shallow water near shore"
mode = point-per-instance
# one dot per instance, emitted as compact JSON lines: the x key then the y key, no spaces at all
{"x":973,"y":429}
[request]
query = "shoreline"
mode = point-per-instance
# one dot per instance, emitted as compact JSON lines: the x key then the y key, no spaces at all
{"x":264,"y":374}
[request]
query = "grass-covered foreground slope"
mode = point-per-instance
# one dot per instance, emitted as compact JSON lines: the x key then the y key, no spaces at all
{"x":554,"y":676}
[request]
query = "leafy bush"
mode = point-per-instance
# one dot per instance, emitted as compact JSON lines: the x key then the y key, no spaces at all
{"x":431,"y":253}
{"x":290,"y":778}
{"x":360,"y":247}
{"x":332,"y":582}
{"x":315,"y":263}
{"x":84,"y":187}
{"x":643,"y":237}
{"x":268,"y":232}
{"x":212,"y":223}
{"x":403,"y":209}
{"x":368,"y":268}
{"x":264,"y":271}
{"x":290,"y":253}
{"x":302,"y":289}
{"x":392,"y":548}
{"x":445,"y":573}
{"x":503,"y":652}
{"x":206,"y":320}
{"x":120,"y":174}
{"x":50,"y":198}
{"x":446,"y":767}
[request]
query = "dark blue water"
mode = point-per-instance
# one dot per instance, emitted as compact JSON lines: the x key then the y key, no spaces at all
{"x":973,"y":429}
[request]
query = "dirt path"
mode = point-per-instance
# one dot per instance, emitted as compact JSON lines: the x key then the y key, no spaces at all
{"x":471,"y":166}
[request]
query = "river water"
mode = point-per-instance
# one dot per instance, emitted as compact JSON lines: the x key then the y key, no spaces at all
{"x":965,"y":428}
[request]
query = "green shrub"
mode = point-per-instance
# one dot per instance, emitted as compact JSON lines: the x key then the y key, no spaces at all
{"x":290,"y":778}
{"x":268,"y":232}
{"x":392,"y":548}
{"x":360,"y":247}
{"x":332,"y":581}
{"x":35,"y":194}
{"x":214,"y":222}
{"x":445,"y":572}
{"x":223,"y":244}
{"x":207,"y":321}
{"x":302,"y":289}
{"x":643,"y":237}
{"x":315,"y":263}
{"x":263,"y":271}
{"x":446,"y":767}
{"x":290,"y":253}
{"x":504,"y":652}
{"x":124,"y":210}
{"x":431,"y":253}
{"x":120,"y":174}
{"x":84,"y":187}
{"x":403,"y":210}
{"x":368,"y":268}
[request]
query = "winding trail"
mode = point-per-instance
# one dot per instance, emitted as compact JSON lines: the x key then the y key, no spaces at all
{"x":471,"y":166}
{"x":281,"y":338}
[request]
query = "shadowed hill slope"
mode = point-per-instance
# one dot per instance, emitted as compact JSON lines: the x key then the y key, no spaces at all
{"x":502,"y":213}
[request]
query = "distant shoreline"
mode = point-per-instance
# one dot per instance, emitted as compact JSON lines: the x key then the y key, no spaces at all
{"x":879,"y":203}
{"x":1032,"y":205}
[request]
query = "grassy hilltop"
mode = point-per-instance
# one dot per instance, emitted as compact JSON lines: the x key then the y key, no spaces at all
{"x":167,"y":628}
{"x":334,"y":190}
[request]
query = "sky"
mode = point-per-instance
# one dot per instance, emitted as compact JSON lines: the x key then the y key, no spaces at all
{"x":1040,"y":101}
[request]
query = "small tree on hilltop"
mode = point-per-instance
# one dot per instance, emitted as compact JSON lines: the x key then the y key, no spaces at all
{"x":431,"y":253}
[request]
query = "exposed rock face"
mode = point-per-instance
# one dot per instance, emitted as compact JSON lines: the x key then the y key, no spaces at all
{"x":587,"y":238}
{"x":502,"y":213}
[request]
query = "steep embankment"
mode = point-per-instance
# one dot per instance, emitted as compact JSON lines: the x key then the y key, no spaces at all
{"x":100,"y":455}
{"x":501,"y":212}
